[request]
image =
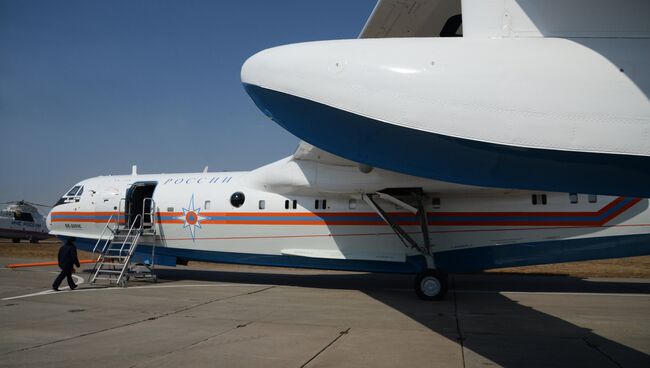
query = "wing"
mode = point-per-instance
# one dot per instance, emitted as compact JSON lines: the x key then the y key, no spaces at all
{"x":413,"y":18}
{"x":396,"y":18}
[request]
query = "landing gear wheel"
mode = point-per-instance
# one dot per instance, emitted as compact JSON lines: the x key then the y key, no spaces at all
{"x":15,"y":240}
{"x":431,"y":285}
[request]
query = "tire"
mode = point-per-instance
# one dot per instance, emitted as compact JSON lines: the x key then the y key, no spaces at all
{"x":15,"y":240}
{"x":431,"y":285}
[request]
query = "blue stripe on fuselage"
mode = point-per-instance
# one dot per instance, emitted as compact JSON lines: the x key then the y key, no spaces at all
{"x":457,"y":261}
{"x":452,"y":159}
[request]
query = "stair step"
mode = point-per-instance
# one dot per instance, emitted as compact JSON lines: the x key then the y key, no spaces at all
{"x":110,"y":271}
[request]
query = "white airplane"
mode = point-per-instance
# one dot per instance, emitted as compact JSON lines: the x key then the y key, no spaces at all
{"x":468,"y":110}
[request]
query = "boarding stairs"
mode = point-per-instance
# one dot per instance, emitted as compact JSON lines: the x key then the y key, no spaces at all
{"x":117,"y":246}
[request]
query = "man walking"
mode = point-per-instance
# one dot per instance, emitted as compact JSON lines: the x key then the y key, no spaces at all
{"x":67,"y":259}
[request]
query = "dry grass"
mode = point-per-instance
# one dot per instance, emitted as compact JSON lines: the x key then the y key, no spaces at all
{"x":632,"y":267}
{"x":45,"y":250}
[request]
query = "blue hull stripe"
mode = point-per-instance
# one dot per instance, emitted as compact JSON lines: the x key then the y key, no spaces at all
{"x":452,"y":159}
{"x":455,"y":261}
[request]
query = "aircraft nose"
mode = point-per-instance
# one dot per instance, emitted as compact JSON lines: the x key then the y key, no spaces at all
{"x":293,"y":70}
{"x":276,"y":68}
{"x":48,"y":220}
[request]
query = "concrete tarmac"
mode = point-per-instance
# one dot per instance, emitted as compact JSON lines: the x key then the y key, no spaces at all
{"x":258,"y":317}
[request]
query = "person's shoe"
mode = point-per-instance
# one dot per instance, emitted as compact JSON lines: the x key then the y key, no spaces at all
{"x":73,"y":287}
{"x":55,"y":289}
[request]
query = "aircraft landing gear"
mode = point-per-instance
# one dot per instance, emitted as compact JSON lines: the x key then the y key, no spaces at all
{"x":431,"y":285}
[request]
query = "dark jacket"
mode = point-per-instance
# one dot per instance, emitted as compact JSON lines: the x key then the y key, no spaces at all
{"x":68,"y":256}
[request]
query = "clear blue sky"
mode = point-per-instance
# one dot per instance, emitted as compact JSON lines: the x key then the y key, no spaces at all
{"x":89,"y":88}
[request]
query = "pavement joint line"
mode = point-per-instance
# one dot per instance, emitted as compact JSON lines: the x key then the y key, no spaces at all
{"x":196,"y":343}
{"x":461,"y":338}
{"x":341,"y":333}
{"x":153,"y":318}
{"x":607,"y":356}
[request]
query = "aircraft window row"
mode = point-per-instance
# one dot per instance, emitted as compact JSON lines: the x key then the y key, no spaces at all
{"x":318,"y":202}
{"x":592,"y":198}
{"x":539,"y":199}
{"x":294,"y":204}
{"x":237,"y":199}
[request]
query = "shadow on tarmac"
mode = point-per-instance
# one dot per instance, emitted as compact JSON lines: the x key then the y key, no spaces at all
{"x":490,"y":326}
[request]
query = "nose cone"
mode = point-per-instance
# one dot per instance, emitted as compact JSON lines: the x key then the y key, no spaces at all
{"x":279,"y":68}
{"x":252,"y":70}
{"x":48,"y":220}
{"x":296,"y":69}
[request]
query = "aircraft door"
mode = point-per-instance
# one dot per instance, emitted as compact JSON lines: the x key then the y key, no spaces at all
{"x":139,"y":205}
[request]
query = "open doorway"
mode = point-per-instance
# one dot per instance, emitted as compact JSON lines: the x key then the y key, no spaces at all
{"x":138,"y":202}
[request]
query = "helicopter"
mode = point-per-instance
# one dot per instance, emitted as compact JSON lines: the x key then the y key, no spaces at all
{"x":21,"y":220}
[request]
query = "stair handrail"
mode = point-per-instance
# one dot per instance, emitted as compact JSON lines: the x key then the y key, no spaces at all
{"x":101,"y":236}
{"x":119,"y":212}
{"x":151,"y":212}
{"x":128,"y":234}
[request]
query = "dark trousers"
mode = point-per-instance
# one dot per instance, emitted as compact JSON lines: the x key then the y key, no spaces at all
{"x":65,"y":273}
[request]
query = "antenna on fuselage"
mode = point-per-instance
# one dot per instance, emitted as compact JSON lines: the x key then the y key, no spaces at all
{"x":134,"y":170}
{"x":205,"y":169}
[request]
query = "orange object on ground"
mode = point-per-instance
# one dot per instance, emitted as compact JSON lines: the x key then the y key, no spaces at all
{"x":39,"y":264}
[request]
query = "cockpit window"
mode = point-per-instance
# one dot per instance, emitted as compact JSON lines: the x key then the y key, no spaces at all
{"x":74,"y":195}
{"x":73,"y":191}
{"x":23,"y":216}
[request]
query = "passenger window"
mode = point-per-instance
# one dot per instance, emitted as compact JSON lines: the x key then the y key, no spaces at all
{"x":316,"y":202}
{"x":534,"y":199}
{"x":207,"y":205}
{"x":593,"y":198}
{"x":573,"y":197}
{"x":295,"y":204}
{"x":286,"y":204}
{"x":262,"y":204}
{"x":352,"y":204}
{"x":543,"y":198}
{"x":324,"y":204}
{"x":435,"y":202}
